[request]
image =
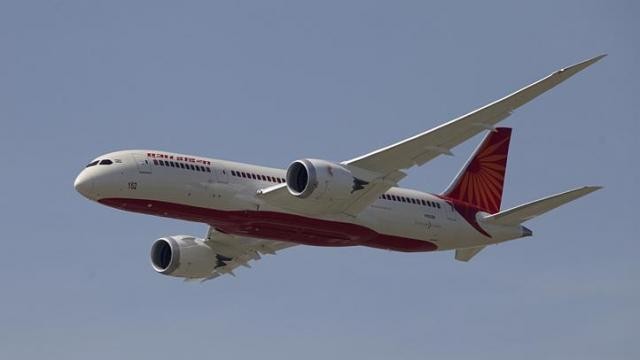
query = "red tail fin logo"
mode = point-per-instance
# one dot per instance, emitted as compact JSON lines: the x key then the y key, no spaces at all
{"x":481,"y":180}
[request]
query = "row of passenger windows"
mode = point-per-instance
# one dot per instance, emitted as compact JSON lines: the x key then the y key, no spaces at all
{"x":245,"y":175}
{"x":404,"y":199}
{"x":101,"y":162}
{"x":180,"y":165}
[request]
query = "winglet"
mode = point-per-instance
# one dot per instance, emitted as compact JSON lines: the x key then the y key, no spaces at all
{"x":573,"y":69}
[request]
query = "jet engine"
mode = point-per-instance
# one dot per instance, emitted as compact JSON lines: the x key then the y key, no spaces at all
{"x":183,"y":256}
{"x":321,"y":180}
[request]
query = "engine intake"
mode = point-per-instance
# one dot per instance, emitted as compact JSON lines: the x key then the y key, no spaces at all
{"x":301,"y":178}
{"x":183,"y":256}
{"x":321,"y":180}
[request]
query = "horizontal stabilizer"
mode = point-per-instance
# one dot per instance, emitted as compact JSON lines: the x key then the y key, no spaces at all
{"x":528,"y":211}
{"x":466,"y":254}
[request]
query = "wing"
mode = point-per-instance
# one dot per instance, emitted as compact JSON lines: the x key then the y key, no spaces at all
{"x":423,"y":147}
{"x":234,"y":251}
{"x":383,"y":168}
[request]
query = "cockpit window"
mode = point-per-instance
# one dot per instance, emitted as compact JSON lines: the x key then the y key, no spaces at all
{"x":92,"y":163}
{"x":106,"y":162}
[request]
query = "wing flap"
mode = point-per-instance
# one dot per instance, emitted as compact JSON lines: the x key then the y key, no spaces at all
{"x":235,"y":251}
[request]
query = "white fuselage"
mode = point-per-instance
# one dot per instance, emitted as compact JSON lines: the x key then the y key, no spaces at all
{"x":223,"y":194}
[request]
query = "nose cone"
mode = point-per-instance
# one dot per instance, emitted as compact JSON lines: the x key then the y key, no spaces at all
{"x":84,"y":185}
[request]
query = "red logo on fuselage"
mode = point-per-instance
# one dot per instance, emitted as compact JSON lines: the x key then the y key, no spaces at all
{"x":179,"y":158}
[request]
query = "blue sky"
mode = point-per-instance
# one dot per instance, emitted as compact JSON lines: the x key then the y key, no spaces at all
{"x":271,"y":82}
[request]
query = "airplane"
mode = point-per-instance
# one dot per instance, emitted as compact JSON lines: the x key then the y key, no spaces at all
{"x":254,"y":210}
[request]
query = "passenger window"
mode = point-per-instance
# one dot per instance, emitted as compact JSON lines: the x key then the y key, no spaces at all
{"x":155,"y":162}
{"x":161,"y":162}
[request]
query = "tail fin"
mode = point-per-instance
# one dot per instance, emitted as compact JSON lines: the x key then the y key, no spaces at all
{"x":481,"y":180}
{"x":522,"y":213}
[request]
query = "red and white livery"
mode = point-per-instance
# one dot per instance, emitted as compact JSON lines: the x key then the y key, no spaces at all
{"x":253,"y":210}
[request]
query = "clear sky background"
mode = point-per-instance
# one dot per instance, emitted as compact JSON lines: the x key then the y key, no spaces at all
{"x":269,"y":82}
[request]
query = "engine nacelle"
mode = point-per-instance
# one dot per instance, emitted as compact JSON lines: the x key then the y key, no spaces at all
{"x":321,"y":179}
{"x":183,"y":256}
